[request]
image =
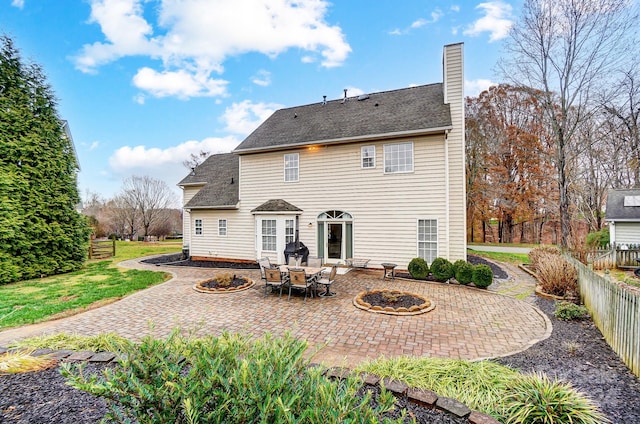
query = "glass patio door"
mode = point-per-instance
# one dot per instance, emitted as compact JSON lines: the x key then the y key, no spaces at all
{"x":334,"y":240}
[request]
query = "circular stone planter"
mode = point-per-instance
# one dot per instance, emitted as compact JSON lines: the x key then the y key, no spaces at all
{"x":201,"y":288}
{"x":425,"y":306}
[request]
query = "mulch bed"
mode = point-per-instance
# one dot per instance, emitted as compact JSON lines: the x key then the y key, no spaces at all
{"x":175,"y":259}
{"x":404,"y":300}
{"x":214,"y":284}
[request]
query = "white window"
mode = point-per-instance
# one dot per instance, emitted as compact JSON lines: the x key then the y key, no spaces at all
{"x":222,"y":227}
{"x":398,"y":158}
{"x":269,"y":235}
{"x":428,"y":239}
{"x":289,"y":231}
{"x":198,"y":227}
{"x":291,"y":163}
{"x":368,"y":156}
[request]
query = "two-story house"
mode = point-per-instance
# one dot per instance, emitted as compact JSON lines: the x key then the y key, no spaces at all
{"x":377,"y":176}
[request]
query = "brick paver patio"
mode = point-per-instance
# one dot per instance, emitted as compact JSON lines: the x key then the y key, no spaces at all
{"x":466,"y":323}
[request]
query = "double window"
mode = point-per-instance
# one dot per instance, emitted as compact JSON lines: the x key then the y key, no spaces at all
{"x":222,"y":227}
{"x":291,"y":167}
{"x":198,"y":227}
{"x":398,"y":158}
{"x":428,"y":239}
{"x":269,"y":235}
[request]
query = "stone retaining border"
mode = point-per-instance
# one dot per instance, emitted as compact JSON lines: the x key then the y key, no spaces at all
{"x":422,"y":397}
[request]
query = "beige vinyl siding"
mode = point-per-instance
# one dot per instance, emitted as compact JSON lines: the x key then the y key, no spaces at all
{"x":187,"y":194}
{"x":627,"y":233}
{"x":454,"y":86}
{"x":384,"y":207}
{"x":237,"y":244}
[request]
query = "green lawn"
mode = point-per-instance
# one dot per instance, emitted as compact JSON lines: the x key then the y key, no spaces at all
{"x":515,"y":258}
{"x":98,"y":282}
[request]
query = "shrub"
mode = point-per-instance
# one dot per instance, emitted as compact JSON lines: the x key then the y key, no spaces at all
{"x":537,"y":399}
{"x":569,"y":311}
{"x":441,"y":269}
{"x":535,"y":255}
{"x":482,"y":276}
{"x":463,"y":272}
{"x":182,"y":380}
{"x":418,"y":268}
{"x":598,"y":239}
{"x":557,"y":276}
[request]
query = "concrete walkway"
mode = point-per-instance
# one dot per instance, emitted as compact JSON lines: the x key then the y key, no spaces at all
{"x":467,"y":323}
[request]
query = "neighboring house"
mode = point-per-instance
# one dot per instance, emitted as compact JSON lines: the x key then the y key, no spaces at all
{"x":623,"y":215}
{"x":377,"y":176}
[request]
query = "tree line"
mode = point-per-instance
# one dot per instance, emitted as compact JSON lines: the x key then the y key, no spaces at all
{"x":544,"y":146}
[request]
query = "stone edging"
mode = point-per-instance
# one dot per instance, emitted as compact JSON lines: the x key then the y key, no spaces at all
{"x":223,"y":290}
{"x":418,"y":396}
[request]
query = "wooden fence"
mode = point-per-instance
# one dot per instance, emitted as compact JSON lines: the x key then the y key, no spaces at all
{"x":609,"y":257}
{"x":101,"y":249}
{"x":615,"y":311}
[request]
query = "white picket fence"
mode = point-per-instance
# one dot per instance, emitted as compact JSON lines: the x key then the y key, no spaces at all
{"x":615,"y":311}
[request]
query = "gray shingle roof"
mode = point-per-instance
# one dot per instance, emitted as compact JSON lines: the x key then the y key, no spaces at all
{"x":616,"y":211}
{"x":411,"y":109}
{"x":276,"y":205}
{"x":219,"y":174}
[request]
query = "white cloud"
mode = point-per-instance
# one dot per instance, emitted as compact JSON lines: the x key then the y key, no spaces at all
{"x":164,"y":164}
{"x":181,"y":83}
{"x":194,"y":37}
{"x":418,"y":23}
{"x":455,"y":8}
{"x":262,"y":78}
{"x":497,"y":21}
{"x":94,"y":145}
{"x":473,"y":88}
{"x":17,"y":3}
{"x":244,"y":117}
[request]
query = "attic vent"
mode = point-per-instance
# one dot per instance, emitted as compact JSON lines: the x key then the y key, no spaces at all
{"x":632,"y":200}
{"x":363,"y":97}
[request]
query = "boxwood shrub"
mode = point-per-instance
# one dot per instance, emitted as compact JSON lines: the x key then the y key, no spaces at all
{"x":441,"y":269}
{"x":482,"y":276}
{"x":418,"y":268}
{"x":463,"y":271}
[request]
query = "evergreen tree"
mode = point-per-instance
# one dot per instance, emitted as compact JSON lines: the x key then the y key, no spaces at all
{"x":41,"y":233}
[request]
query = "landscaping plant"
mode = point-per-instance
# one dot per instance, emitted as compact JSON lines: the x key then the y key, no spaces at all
{"x":441,"y":269}
{"x":482,"y":276}
{"x":22,"y":361}
{"x":557,"y":276}
{"x":266,"y":380}
{"x":418,"y":268}
{"x":569,"y":311}
{"x":463,"y":271}
{"x":536,"y":399}
{"x":540,"y":254}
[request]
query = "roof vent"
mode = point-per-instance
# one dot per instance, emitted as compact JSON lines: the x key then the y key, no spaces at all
{"x":193,"y":170}
{"x":363,"y":97}
{"x":345,"y":96}
{"x":324,"y":100}
{"x":295,"y":115}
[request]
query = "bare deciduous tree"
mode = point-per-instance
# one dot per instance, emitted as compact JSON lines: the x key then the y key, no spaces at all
{"x":564,"y":48}
{"x":150,"y":197}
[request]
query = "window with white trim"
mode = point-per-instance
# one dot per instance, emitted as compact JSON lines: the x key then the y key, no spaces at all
{"x":428,"y":239}
{"x":398,"y":157}
{"x":198,"y":227}
{"x":291,"y":165}
{"x":222,"y":227}
{"x":368,"y":156}
{"x":289,"y":231}
{"x":269,"y":235}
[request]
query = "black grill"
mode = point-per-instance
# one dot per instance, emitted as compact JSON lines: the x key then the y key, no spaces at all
{"x":290,"y":250}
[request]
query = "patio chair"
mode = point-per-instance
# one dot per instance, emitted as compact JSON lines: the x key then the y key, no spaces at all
{"x":298,"y":280}
{"x":315,"y":262}
{"x":264,"y":264}
{"x":327,"y":281}
{"x":273,"y":278}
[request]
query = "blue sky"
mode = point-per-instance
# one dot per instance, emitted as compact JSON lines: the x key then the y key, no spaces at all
{"x":144,"y":83}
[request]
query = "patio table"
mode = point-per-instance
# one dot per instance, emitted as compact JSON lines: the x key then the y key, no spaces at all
{"x":310,"y":271}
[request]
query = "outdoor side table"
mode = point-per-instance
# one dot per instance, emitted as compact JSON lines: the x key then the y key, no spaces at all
{"x":389,"y":270}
